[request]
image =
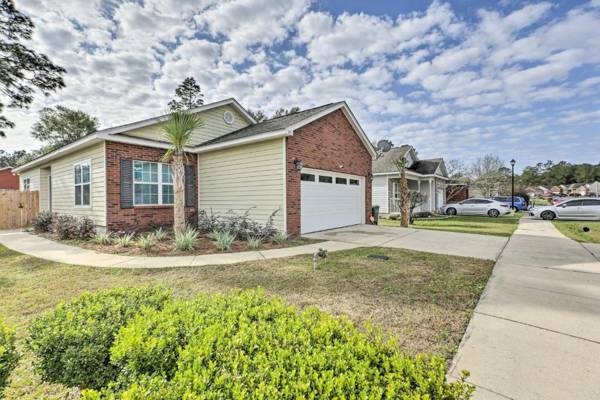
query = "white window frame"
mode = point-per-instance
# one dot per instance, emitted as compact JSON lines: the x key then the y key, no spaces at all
{"x":159,"y":183}
{"x":26,"y":184}
{"x":82,"y":184}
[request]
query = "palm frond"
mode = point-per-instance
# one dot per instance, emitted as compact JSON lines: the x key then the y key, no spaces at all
{"x":178,"y":130}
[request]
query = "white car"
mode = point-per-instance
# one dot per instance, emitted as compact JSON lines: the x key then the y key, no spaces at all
{"x":583,"y":208}
{"x":477,"y":206}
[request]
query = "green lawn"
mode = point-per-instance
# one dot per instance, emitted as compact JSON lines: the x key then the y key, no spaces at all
{"x":501,"y":226}
{"x":424,"y":299}
{"x":574,"y":230}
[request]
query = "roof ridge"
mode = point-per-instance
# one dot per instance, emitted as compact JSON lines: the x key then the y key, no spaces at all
{"x":297,"y":112}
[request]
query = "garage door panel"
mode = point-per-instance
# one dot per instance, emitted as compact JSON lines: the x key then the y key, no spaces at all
{"x":331,"y":205}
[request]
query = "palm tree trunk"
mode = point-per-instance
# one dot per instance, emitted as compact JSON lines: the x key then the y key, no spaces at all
{"x":178,"y":188}
{"x":404,"y":199}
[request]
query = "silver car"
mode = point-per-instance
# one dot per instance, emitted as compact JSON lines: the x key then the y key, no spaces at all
{"x":583,"y":208}
{"x":477,"y":206}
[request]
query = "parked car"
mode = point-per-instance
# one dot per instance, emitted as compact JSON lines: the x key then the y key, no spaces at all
{"x":477,"y":206}
{"x":520,"y":203}
{"x":582,"y":208}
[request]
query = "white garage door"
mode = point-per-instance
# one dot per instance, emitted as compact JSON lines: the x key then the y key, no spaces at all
{"x":330,"y":200}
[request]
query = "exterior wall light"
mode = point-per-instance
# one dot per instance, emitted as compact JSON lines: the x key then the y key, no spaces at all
{"x":298,"y":164}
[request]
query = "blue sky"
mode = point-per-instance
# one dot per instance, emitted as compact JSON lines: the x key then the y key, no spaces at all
{"x":455,"y":79}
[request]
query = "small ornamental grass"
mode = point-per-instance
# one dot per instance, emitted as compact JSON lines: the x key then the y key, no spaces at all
{"x":280,"y":238}
{"x":125,"y":240}
{"x":160,"y":234}
{"x":244,"y":345}
{"x":72,"y":342}
{"x":147,"y":242}
{"x":224,"y":240}
{"x":186,"y":239}
{"x":102,"y":238}
{"x":254,"y":243}
{"x":8,"y":355}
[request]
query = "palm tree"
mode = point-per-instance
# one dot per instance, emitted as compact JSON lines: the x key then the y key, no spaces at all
{"x":178,"y":132}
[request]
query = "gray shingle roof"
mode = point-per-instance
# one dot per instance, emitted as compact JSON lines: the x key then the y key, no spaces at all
{"x":386,"y":162}
{"x":269,"y":125}
{"x":426,"y":167}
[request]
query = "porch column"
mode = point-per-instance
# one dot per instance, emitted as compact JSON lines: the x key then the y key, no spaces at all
{"x":431,"y":198}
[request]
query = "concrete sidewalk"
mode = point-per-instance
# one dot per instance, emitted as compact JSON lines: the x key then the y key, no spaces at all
{"x":535,"y":333}
{"x":37,"y":246}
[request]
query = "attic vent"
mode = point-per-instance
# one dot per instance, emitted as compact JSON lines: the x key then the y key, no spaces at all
{"x":228,"y":117}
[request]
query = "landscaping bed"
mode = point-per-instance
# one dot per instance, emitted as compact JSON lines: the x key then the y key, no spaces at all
{"x":212,"y":234}
{"x":424,"y":300}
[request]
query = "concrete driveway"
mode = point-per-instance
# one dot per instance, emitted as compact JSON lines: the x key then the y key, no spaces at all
{"x":451,"y":243}
{"x":535,"y":333}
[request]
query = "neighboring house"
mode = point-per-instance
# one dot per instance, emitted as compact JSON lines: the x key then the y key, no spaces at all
{"x":313,"y":166}
{"x":8,"y":180}
{"x":594,"y":189}
{"x":426,"y":176}
{"x":456,"y":192}
{"x":556,"y":190}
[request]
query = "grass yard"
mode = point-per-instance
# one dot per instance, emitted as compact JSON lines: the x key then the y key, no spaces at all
{"x":501,"y":226}
{"x":574,"y":230}
{"x":424,"y":299}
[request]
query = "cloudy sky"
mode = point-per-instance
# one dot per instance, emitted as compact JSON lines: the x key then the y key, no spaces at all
{"x":455,"y":79}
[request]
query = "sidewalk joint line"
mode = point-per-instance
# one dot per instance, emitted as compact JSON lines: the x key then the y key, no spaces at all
{"x":538,"y":327}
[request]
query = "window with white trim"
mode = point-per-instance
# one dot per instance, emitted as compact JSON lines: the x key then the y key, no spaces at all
{"x":83,"y":188}
{"x":152,"y":183}
{"x":26,"y":184}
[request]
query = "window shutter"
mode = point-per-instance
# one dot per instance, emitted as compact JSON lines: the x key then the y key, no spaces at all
{"x":126,"y":183}
{"x":190,"y":186}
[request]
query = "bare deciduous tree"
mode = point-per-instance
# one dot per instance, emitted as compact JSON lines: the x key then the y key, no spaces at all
{"x":488,"y":174}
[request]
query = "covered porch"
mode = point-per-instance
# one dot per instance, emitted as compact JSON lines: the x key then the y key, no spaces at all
{"x":432,"y":190}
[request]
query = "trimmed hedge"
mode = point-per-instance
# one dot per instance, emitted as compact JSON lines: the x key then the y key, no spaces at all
{"x":246,"y":346}
{"x":8,"y":355}
{"x":72,"y":342}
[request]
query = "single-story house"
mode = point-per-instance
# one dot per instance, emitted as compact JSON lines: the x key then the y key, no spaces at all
{"x":426,"y":176}
{"x":8,"y":180}
{"x":314,"y":166}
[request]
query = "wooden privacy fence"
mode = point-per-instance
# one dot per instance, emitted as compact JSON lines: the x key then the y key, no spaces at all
{"x":17,"y":209}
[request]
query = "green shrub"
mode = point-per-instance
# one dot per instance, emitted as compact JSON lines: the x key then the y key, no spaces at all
{"x":67,"y":227}
{"x":224,"y":240}
{"x":254,"y":243}
{"x":280,"y":237}
{"x":160,"y":234}
{"x":102,"y":238}
{"x":72,"y":342}
{"x":125,"y":240}
{"x":43,"y":223}
{"x":146,"y":242}
{"x":246,"y":346}
{"x":186,"y":239}
{"x":8,"y":355}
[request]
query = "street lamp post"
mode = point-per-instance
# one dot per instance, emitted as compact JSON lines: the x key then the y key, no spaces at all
{"x":512,"y":182}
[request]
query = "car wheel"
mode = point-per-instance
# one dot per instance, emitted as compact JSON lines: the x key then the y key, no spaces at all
{"x":493,"y":213}
{"x":548,"y":215}
{"x":451,"y":211}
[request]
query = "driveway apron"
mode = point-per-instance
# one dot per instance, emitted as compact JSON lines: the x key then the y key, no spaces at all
{"x":535,"y":333}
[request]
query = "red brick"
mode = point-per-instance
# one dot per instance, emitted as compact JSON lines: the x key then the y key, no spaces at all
{"x":329,"y":143}
{"x":8,"y":180}
{"x":137,"y":218}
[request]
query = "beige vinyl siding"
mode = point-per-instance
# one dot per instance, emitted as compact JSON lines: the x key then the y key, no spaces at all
{"x":63,"y":191}
{"x":34,"y":179}
{"x":44,"y":195}
{"x":213,"y":126}
{"x":380,"y":193}
{"x":244,"y":177}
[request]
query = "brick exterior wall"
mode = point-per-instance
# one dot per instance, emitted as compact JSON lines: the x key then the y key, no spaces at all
{"x":8,"y":180}
{"x":138,"y":217}
{"x":329,"y":143}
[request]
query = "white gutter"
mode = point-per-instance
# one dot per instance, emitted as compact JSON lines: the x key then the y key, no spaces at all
{"x":413,"y":174}
{"x":86,"y":140}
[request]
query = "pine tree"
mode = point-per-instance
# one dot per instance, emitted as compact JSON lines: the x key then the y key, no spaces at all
{"x":187,"y":96}
{"x":22,"y":70}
